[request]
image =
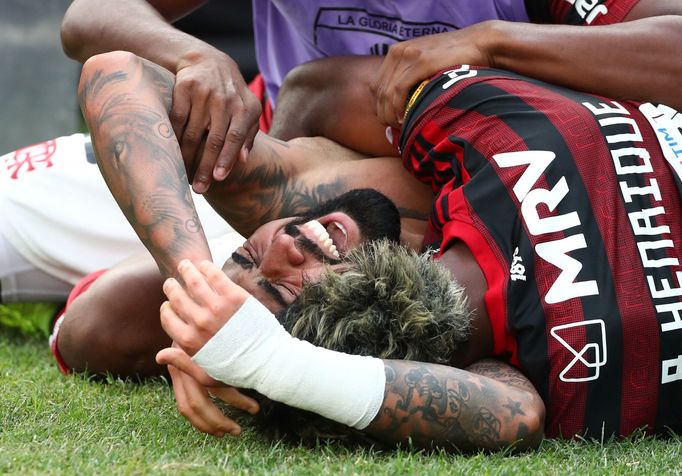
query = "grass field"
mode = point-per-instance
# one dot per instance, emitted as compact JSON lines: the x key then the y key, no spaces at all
{"x":50,"y":424}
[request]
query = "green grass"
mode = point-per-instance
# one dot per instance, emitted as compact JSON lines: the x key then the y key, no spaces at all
{"x":50,"y":424}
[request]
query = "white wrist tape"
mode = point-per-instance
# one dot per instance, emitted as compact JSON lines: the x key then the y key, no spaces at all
{"x":252,"y":350}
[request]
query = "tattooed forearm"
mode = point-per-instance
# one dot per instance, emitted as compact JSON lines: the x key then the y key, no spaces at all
{"x":272,"y":193}
{"x":438,"y":406}
{"x":270,"y":187}
{"x":125,"y":101}
{"x":501,"y":372}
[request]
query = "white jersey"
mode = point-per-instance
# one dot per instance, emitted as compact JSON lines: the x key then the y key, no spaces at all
{"x":57,"y":211}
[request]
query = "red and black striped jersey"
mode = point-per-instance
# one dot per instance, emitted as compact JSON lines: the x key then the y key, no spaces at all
{"x":571,"y":205}
{"x":579,"y":12}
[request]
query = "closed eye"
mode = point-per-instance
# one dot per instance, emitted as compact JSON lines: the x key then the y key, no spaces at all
{"x":242,"y":261}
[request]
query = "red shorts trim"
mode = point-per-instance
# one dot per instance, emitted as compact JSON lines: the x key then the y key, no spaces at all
{"x":257,"y":86}
{"x":77,"y":290}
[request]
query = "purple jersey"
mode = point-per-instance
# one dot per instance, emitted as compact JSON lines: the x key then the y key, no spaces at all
{"x":289,"y":33}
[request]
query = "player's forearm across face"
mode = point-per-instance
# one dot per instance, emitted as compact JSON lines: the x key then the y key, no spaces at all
{"x":125,"y":101}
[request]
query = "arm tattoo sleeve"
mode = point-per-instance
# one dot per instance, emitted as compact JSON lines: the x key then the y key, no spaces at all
{"x":269,"y":188}
{"x":125,"y":103}
{"x":438,"y":406}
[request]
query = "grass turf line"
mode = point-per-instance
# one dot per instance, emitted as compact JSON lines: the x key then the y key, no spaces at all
{"x":50,"y":424}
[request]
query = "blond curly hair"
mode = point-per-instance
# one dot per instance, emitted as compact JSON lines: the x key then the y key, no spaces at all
{"x":391,"y":303}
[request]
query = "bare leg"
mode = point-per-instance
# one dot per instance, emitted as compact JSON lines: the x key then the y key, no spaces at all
{"x":113,"y":327}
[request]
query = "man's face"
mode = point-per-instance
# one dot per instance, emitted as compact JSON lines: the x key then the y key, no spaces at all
{"x":282,"y":255}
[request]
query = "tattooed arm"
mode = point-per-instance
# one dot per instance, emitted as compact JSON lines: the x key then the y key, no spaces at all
{"x":125,"y":102}
{"x":488,"y":406}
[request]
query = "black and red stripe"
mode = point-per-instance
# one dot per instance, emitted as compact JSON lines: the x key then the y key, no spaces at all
{"x":491,"y":114}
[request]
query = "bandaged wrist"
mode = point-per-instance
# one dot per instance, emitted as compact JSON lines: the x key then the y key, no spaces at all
{"x":253,"y":350}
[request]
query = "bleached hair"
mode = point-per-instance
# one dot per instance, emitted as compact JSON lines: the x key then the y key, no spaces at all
{"x":388,"y":302}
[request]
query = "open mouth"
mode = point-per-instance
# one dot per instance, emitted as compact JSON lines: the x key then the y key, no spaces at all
{"x":335,"y":234}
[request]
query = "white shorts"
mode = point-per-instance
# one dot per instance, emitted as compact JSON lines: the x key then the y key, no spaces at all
{"x":21,"y":281}
{"x":58,"y":215}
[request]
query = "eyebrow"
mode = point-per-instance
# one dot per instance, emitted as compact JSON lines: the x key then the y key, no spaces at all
{"x":242,"y":261}
{"x":273,"y":292}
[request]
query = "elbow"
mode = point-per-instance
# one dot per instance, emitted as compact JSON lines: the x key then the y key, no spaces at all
{"x":69,"y":37}
{"x":72,"y":33}
{"x":98,"y":64}
{"x":531,"y":427}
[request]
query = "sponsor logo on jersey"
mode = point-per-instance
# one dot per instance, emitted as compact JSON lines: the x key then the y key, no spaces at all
{"x":588,"y":360}
{"x":28,"y":159}
{"x":517,"y":271}
{"x":588,"y":9}
{"x":557,"y":252}
{"x":648,"y":218}
{"x":667,"y":123}
{"x":456,"y":75}
{"x":361,"y":21}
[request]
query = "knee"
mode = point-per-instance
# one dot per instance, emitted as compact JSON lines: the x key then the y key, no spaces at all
{"x":101,"y":347}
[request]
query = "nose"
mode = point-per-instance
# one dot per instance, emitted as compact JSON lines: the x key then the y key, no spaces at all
{"x":282,"y":258}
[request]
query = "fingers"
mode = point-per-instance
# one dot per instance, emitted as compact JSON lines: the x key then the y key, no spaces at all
{"x":219,"y":282}
{"x":183,"y":362}
{"x":213,"y":106}
{"x":248,"y":145}
{"x":405,"y":80}
{"x":183,"y":319}
{"x":195,"y":312}
{"x":219,"y":122}
{"x":404,"y":66}
{"x":193,"y":402}
{"x":175,"y":327}
{"x":236,"y":399}
{"x":179,"y":114}
{"x":242,"y":130}
{"x":230,"y":395}
{"x":381,"y":86}
{"x":191,"y":140}
{"x":197,"y":285}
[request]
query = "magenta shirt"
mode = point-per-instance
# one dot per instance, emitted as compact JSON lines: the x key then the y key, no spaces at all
{"x":291,"y":32}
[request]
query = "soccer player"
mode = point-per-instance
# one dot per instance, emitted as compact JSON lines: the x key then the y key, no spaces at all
{"x":556,"y":213}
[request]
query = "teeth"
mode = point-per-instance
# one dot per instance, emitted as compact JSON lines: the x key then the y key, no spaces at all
{"x":322,"y":235}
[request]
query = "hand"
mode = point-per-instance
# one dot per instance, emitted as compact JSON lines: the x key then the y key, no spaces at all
{"x":192,"y":387}
{"x":212,"y":103}
{"x":411,"y":61}
{"x":193,"y":314}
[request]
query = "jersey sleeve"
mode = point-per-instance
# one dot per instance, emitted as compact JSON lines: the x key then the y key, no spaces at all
{"x":579,"y":12}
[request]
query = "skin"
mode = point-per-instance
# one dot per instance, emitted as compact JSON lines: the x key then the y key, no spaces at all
{"x":488,"y":405}
{"x":635,"y":59}
{"x":123,"y":100}
{"x":214,"y":114}
{"x":626,"y":60}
